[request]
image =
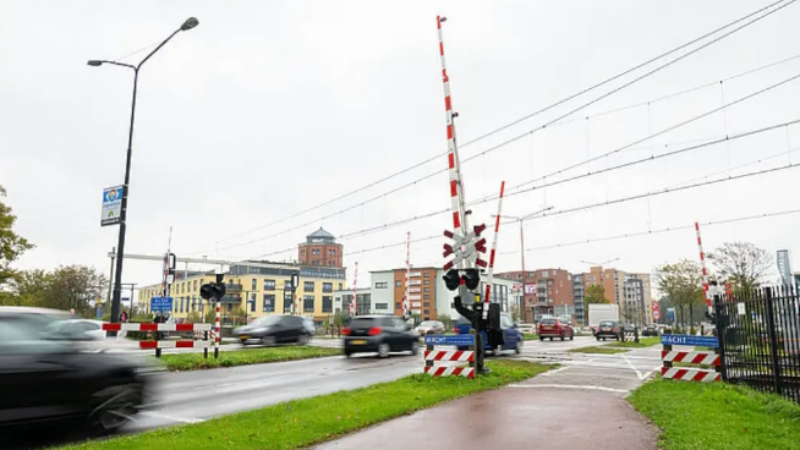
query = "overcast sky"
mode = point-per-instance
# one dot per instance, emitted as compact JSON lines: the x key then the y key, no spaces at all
{"x":268,"y":108}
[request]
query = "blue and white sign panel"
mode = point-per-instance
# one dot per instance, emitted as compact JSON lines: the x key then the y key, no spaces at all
{"x":685,"y":339}
{"x":161,"y":304}
{"x":112,"y":206}
{"x":459,"y":340}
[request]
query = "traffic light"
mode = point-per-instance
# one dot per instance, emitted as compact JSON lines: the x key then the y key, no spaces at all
{"x":213,"y":290}
{"x":452,"y":280}
{"x":472,"y":278}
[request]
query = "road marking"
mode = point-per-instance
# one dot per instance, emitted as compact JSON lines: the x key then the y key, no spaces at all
{"x":569,"y":386}
{"x":169,"y":417}
{"x":638,"y":374}
{"x":600,"y":375}
{"x":551,"y":372}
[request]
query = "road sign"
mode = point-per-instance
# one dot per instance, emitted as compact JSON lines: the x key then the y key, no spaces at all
{"x":740,"y":309}
{"x":460,"y":340}
{"x":671,"y":314}
{"x":112,"y":206}
{"x":686,"y":339}
{"x":656,"y":314}
{"x":465,"y":248}
{"x":99,"y":313}
{"x":161,"y":304}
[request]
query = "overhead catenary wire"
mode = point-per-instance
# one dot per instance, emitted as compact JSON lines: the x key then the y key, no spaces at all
{"x":551,"y":106}
{"x":518,"y":188}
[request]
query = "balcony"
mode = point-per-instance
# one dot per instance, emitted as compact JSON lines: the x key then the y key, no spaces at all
{"x":235,"y":299}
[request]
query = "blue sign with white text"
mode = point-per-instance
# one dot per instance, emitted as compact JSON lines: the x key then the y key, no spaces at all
{"x":161,"y":304}
{"x":685,"y":339}
{"x":459,"y":340}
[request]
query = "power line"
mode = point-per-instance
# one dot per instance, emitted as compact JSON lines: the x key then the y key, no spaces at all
{"x":547,"y":108}
{"x":650,"y":232}
{"x":563,"y":181}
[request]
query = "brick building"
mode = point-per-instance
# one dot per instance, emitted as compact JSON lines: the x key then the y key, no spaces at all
{"x":320,"y":249}
{"x":547,"y":292}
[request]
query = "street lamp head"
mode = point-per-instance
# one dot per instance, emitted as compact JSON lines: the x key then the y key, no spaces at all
{"x":94,"y":62}
{"x":190,"y":23}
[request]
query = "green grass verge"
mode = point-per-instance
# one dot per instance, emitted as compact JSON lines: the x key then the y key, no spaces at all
{"x":598,"y":349}
{"x":530,"y":337}
{"x":195,"y":361}
{"x":643,"y":342}
{"x":302,"y":423}
{"x":711,"y":416}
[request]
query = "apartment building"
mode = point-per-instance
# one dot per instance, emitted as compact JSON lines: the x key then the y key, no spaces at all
{"x":631,"y":291}
{"x":547,"y":292}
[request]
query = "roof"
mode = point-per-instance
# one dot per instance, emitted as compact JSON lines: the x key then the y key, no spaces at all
{"x":321,"y":233}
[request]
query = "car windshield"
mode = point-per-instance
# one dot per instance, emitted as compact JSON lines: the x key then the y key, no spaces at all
{"x":548,"y":321}
{"x":428,"y":323}
{"x":606,"y":324}
{"x":362,"y":323}
{"x":267,"y":320}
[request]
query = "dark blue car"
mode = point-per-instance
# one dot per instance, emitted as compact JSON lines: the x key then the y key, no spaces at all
{"x":512,"y":336}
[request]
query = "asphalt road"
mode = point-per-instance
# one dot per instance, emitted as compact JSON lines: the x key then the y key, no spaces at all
{"x":191,"y":397}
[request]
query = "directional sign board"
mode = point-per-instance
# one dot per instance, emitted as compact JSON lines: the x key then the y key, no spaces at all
{"x":460,"y":340}
{"x":161,"y":304}
{"x":112,"y":206}
{"x":685,"y":339}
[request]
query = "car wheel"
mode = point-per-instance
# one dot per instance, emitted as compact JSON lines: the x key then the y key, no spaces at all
{"x":348,"y":354}
{"x":562,"y":336}
{"x":383,"y":350}
{"x":551,"y":338}
{"x":604,"y":339}
{"x":414,"y":348}
{"x":268,"y":341}
{"x":572,"y":336}
{"x":302,"y":339}
{"x":541,"y":338}
{"x":119,"y":404}
{"x":518,"y":348}
{"x":598,"y":338}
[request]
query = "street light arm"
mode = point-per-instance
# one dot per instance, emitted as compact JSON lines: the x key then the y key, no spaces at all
{"x":104,"y":61}
{"x":163,"y":43}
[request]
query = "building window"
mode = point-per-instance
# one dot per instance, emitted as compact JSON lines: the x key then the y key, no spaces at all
{"x":269,"y":285}
{"x":195,"y":285}
{"x":327,"y":287}
{"x":427,"y":289}
{"x":253,"y":284}
{"x":397,"y":305}
{"x":308,"y":286}
{"x":327,"y":303}
{"x":426,"y":281}
{"x":381,"y":306}
{"x":427,"y":304}
{"x":544,"y":273}
{"x":426,"y":275}
{"x":331,"y":252}
{"x":426,"y":297}
{"x":252,"y":302}
{"x":308,"y":303}
{"x":287,"y":301}
{"x":269,"y":303}
{"x":340,"y":286}
{"x":330,"y":263}
{"x":381,"y":285}
{"x":315,"y":251}
{"x":398,"y":283}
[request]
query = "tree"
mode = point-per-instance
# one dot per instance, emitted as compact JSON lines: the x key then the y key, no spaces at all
{"x":682,"y":284}
{"x":596,"y":293}
{"x":239,"y":315}
{"x":446,"y":320}
{"x":12,"y":246}
{"x":194,"y":317}
{"x":516,"y":314}
{"x":741,"y":263}
{"x":68,"y":287}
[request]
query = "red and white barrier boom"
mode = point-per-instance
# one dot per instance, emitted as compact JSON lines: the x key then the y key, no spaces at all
{"x":145,"y":327}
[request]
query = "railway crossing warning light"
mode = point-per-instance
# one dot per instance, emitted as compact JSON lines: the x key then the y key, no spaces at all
{"x":213,"y":290}
{"x":471,"y":277}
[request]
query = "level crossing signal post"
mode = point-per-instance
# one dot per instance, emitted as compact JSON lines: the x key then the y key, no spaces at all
{"x":214,"y":291}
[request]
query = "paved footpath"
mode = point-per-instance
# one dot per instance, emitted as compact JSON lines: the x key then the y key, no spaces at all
{"x":579,"y":405}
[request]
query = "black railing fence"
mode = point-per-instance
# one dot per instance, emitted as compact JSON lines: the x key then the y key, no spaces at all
{"x":759,"y":335}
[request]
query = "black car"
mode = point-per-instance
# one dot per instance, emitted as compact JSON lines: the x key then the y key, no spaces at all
{"x":650,"y":330}
{"x":45,"y":379}
{"x":608,"y":329}
{"x":379,"y":334}
{"x":271,"y":330}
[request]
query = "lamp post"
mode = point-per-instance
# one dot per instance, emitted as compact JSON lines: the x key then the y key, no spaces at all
{"x":115,"y":303}
{"x":522,"y":250}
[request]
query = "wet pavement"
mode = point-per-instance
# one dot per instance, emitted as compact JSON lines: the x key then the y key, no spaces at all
{"x":514,"y":417}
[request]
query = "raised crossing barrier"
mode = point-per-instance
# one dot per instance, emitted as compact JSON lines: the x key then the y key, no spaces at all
{"x":204,"y":328}
{"x":670,"y":356}
{"x":433,"y":356}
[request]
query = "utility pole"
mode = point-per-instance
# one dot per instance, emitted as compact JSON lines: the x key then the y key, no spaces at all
{"x":522,"y":246}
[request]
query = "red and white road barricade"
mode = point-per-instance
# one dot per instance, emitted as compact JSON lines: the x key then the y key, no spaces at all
{"x":450,"y":362}
{"x":670,"y":356}
{"x":156,"y":344}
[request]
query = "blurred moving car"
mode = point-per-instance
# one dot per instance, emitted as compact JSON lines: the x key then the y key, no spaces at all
{"x":279,"y":329}
{"x":430,"y":327}
{"x":553,"y":327}
{"x":381,"y":334}
{"x":90,"y":329}
{"x":512,"y":336}
{"x":650,"y":330}
{"x":607,"y":329}
{"x":45,"y":378}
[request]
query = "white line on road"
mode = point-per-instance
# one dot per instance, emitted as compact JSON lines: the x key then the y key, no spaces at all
{"x":569,"y":386}
{"x":552,"y":372}
{"x":169,"y":417}
{"x":638,"y":374}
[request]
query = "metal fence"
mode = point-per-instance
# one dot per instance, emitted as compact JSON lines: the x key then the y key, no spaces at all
{"x":760,"y":339}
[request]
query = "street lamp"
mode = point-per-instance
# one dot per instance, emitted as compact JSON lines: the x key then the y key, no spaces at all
{"x":522,"y":245}
{"x":115,"y":303}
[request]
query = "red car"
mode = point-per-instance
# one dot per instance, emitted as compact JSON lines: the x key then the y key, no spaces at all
{"x":555,"y":328}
